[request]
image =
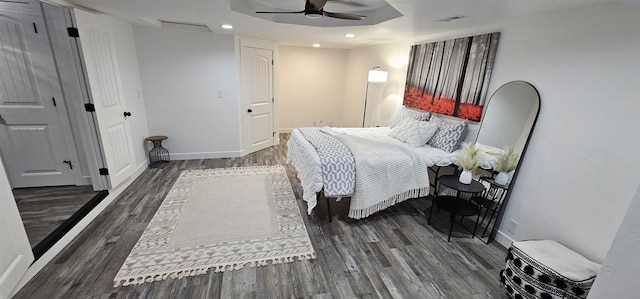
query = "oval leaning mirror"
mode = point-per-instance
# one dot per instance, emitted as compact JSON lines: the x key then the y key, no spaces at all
{"x":508,"y":121}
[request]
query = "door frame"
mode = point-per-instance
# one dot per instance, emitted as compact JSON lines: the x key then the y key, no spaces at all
{"x":241,"y":42}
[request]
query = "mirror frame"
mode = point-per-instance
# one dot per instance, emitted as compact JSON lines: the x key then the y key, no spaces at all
{"x":500,"y":215}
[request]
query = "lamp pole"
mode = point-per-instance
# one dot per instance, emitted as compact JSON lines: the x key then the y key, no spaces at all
{"x":366,"y":96}
{"x":375,"y":76}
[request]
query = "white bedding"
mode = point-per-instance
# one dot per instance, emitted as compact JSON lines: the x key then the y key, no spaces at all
{"x":303,"y":156}
{"x":386,"y":174}
{"x":306,"y":161}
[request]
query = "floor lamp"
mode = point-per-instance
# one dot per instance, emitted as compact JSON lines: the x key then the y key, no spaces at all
{"x":375,"y":76}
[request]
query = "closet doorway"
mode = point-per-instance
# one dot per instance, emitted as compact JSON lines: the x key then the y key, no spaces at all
{"x":48,"y":141}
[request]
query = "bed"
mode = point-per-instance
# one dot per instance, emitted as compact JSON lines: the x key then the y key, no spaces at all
{"x":376,"y":167}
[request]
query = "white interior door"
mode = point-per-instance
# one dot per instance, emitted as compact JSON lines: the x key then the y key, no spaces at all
{"x":15,"y":251}
{"x":35,"y":133}
{"x":105,"y":83}
{"x":257,"y":91}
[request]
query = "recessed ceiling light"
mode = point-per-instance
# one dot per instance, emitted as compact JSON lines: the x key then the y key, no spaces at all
{"x":316,"y":45}
{"x":226,"y":26}
{"x":349,"y":35}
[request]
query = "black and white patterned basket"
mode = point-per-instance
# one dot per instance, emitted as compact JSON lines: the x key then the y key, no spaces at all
{"x":525,"y":276}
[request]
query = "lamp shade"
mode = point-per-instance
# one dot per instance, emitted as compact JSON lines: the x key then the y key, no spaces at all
{"x":377,"y":76}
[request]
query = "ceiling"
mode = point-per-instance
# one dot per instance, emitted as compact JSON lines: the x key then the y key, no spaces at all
{"x":418,"y":18}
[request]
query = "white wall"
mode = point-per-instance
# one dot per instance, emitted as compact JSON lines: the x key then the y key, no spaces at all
{"x":581,"y":168}
{"x":329,"y":85}
{"x":311,"y":87}
{"x":618,"y":276}
{"x":580,"y":171}
{"x":383,"y":99}
{"x":181,"y":73}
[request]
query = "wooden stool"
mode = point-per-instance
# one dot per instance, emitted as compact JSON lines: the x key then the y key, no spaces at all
{"x":158,"y":155}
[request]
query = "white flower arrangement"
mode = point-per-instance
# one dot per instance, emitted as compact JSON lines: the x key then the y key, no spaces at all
{"x":469,"y":157}
{"x":507,"y":161}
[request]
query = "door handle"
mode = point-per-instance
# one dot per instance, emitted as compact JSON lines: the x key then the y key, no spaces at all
{"x":249,"y":110}
{"x":127,"y":114}
{"x":69,"y":163}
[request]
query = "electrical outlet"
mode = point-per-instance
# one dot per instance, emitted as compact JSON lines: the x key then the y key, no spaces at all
{"x":314,"y":123}
{"x":512,"y":226}
{"x":220,"y":93}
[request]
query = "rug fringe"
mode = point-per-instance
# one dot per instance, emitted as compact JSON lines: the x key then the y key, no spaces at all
{"x":227,"y":170}
{"x":136,"y":280}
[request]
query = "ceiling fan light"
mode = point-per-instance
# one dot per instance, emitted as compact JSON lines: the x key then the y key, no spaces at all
{"x":313,"y":14}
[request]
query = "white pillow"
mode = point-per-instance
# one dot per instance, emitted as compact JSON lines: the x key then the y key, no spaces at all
{"x":414,"y":132}
{"x":406,"y":113}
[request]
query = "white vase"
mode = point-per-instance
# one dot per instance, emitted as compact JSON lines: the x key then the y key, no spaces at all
{"x":502,"y":178}
{"x":465,"y":177}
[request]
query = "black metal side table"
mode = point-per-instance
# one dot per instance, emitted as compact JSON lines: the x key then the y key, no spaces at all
{"x":455,"y":205}
{"x":452,"y":182}
{"x":158,"y":155}
{"x":491,"y":201}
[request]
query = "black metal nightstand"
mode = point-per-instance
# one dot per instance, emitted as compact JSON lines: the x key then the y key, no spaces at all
{"x":455,"y":205}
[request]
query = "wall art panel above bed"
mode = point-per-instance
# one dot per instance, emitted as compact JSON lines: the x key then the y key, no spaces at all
{"x":451,"y":77}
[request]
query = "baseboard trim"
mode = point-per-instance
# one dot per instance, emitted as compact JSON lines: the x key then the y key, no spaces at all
{"x":503,"y":239}
{"x":86,"y":180}
{"x":206,"y":155}
{"x":141,"y":168}
{"x":285,"y":130}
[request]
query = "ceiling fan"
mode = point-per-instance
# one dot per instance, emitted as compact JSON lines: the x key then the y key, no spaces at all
{"x":315,"y":9}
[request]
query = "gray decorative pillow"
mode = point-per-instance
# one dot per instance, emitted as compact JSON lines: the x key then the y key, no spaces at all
{"x":450,"y":134}
{"x":406,"y":113}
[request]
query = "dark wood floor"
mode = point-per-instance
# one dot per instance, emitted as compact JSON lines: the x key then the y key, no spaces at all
{"x":44,"y":209}
{"x":392,"y":254}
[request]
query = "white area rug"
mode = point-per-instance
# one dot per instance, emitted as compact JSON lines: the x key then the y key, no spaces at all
{"x":222,"y":219}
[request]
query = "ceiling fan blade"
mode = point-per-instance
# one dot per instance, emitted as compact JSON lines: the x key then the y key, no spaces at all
{"x":302,"y":11}
{"x":317,"y":4}
{"x":350,"y":3}
{"x":345,"y":16}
